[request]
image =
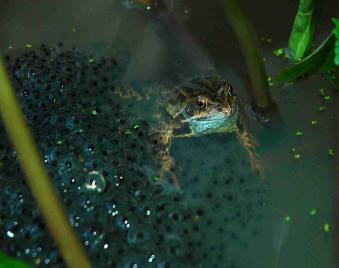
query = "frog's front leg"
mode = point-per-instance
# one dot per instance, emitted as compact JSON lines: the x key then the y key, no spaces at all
{"x":248,"y":142}
{"x":162,"y":141}
{"x":167,"y":170}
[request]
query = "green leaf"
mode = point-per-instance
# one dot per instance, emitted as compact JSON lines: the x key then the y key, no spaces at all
{"x":336,"y":33}
{"x":320,"y":59}
{"x":8,"y":262}
{"x":303,"y":29}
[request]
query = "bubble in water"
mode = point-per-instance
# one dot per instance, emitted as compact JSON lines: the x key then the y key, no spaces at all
{"x":151,"y":258}
{"x":10,"y":234}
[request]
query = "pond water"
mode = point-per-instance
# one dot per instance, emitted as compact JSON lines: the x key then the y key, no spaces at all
{"x":96,"y":145}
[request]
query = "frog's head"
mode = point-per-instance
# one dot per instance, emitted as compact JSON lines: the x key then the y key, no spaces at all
{"x":205,"y":107}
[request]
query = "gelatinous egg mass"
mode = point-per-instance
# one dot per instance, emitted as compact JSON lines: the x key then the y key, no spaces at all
{"x":101,"y":160}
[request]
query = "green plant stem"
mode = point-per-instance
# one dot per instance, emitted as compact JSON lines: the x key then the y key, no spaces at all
{"x":303,"y":28}
{"x":249,"y":43}
{"x":38,"y":180}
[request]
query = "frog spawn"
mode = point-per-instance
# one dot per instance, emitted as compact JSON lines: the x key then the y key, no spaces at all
{"x":101,"y":162}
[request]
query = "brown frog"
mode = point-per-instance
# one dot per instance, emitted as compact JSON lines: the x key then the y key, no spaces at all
{"x":198,"y":107}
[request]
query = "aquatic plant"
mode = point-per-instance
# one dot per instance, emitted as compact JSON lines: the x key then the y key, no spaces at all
{"x":324,"y":59}
{"x":320,"y":59}
{"x":303,"y":28}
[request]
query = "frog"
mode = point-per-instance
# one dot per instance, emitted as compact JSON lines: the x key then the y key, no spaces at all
{"x":199,"y":106}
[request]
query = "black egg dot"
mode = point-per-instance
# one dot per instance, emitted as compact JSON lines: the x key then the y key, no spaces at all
{"x":175,"y":216}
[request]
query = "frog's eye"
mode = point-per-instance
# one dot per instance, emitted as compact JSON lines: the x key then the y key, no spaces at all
{"x":201,"y":102}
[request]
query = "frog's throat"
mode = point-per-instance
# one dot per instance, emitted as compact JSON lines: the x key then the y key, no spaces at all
{"x":220,"y":122}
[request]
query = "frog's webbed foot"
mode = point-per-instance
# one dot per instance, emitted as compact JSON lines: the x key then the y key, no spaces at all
{"x":249,"y":143}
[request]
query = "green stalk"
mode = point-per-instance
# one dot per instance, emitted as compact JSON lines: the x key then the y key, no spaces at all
{"x":249,"y":43}
{"x":38,"y":180}
{"x":303,"y":28}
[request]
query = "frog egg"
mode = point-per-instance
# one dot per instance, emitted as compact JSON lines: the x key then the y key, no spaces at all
{"x":166,"y":264}
{"x":94,"y":182}
{"x":137,"y":236}
{"x":123,"y":223}
{"x":92,"y":237}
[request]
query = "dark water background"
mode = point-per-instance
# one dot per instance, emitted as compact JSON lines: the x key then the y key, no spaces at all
{"x":199,"y":40}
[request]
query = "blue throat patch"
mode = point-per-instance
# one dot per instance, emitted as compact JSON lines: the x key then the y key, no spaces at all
{"x":216,"y":123}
